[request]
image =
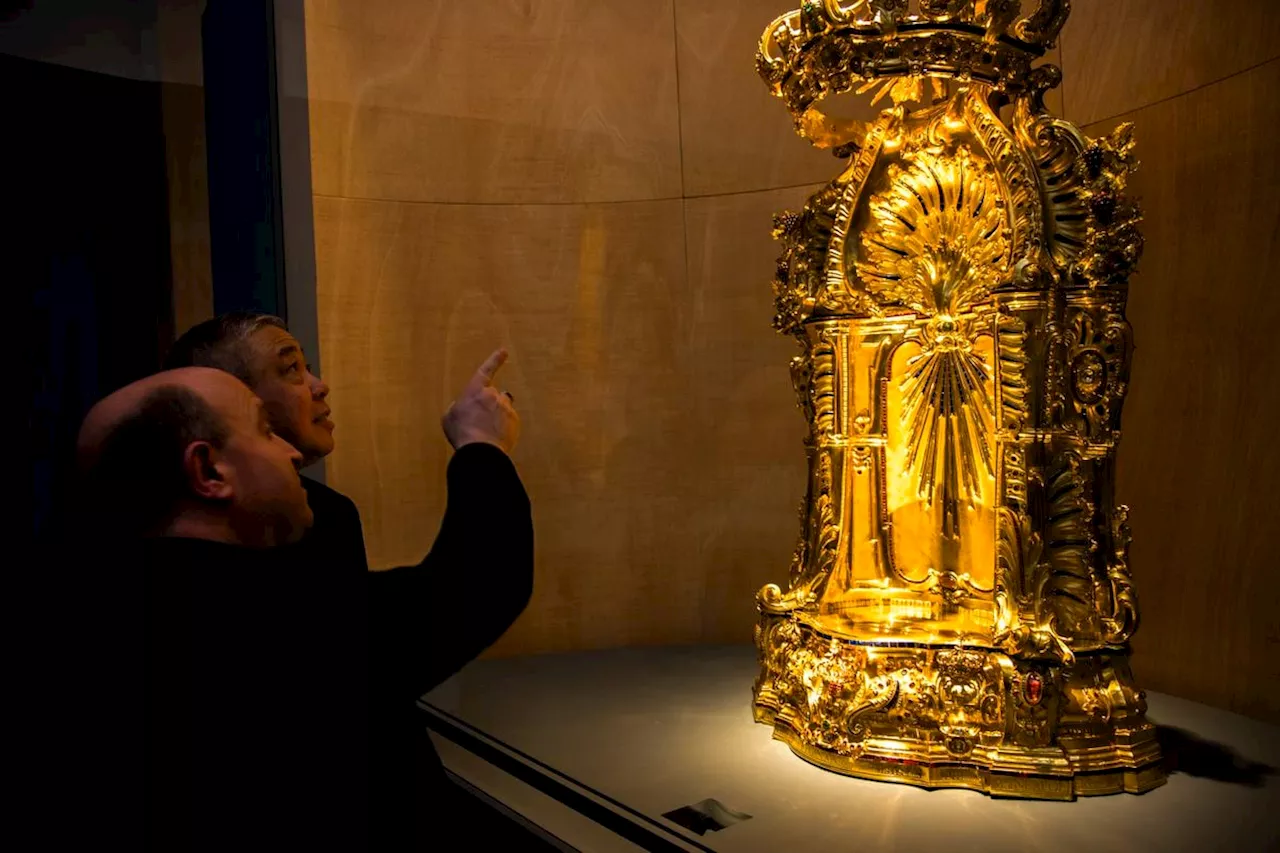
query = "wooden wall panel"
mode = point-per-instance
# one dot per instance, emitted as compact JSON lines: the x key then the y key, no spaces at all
{"x":1122,"y":55}
{"x":592,"y":302}
{"x":1200,"y":459}
{"x":539,"y":101}
{"x":750,"y":462}
{"x":190,"y":251}
{"x":178,"y":49}
{"x":662,"y":445}
{"x":736,"y":136}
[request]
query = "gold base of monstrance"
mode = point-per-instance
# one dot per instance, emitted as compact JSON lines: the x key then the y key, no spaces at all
{"x":957,"y":717}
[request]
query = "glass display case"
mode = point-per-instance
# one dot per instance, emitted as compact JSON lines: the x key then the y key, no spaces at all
{"x":593,"y":185}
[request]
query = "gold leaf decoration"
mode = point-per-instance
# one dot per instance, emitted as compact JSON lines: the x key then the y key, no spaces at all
{"x":938,"y":241}
{"x":938,"y":247}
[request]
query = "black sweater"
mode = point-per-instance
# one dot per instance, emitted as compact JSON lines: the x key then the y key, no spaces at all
{"x":428,"y":621}
{"x":266,"y":699}
{"x":439,"y":615}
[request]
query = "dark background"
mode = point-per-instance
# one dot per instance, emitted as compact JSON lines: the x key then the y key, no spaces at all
{"x":89,"y":194}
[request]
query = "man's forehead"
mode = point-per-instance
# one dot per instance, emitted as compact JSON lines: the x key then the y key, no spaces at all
{"x":272,"y":340}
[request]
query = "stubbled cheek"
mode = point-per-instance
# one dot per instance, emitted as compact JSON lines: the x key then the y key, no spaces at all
{"x":295,"y":411}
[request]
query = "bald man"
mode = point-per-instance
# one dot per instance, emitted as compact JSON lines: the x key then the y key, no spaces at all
{"x":190,"y":454}
{"x":226,"y":687}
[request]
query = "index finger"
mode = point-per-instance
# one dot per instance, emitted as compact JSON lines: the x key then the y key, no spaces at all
{"x":484,"y":376}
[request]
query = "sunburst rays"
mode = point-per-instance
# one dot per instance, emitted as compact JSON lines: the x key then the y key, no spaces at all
{"x":947,"y":411}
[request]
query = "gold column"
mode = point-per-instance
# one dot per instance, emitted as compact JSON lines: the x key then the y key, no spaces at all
{"x":959,"y":605}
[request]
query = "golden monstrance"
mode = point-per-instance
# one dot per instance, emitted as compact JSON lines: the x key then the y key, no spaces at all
{"x":959,"y":605}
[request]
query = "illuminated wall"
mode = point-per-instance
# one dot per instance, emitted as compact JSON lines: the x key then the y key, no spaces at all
{"x":513,"y":173}
{"x":592,"y":183}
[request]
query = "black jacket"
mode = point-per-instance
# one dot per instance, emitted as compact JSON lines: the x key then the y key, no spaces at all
{"x":429,"y":620}
{"x":211,"y":697}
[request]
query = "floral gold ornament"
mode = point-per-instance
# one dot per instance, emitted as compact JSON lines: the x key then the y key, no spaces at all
{"x":959,"y":604}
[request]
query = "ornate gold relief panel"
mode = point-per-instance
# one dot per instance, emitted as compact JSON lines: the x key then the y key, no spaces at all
{"x":1096,"y":347}
{"x":940,"y":468}
{"x":935,"y":235}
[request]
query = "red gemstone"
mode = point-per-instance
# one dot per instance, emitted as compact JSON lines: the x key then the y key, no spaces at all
{"x":1035,"y":688}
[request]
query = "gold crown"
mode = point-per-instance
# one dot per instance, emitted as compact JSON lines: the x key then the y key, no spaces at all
{"x":827,"y":47}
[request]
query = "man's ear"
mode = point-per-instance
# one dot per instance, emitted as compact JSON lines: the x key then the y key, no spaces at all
{"x":205,"y":470}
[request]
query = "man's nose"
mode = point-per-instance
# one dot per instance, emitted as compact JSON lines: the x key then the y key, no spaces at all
{"x":295,"y":455}
{"x":319,"y":389}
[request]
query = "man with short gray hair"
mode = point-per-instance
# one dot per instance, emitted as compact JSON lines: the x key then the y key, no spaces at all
{"x":419,"y":634}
